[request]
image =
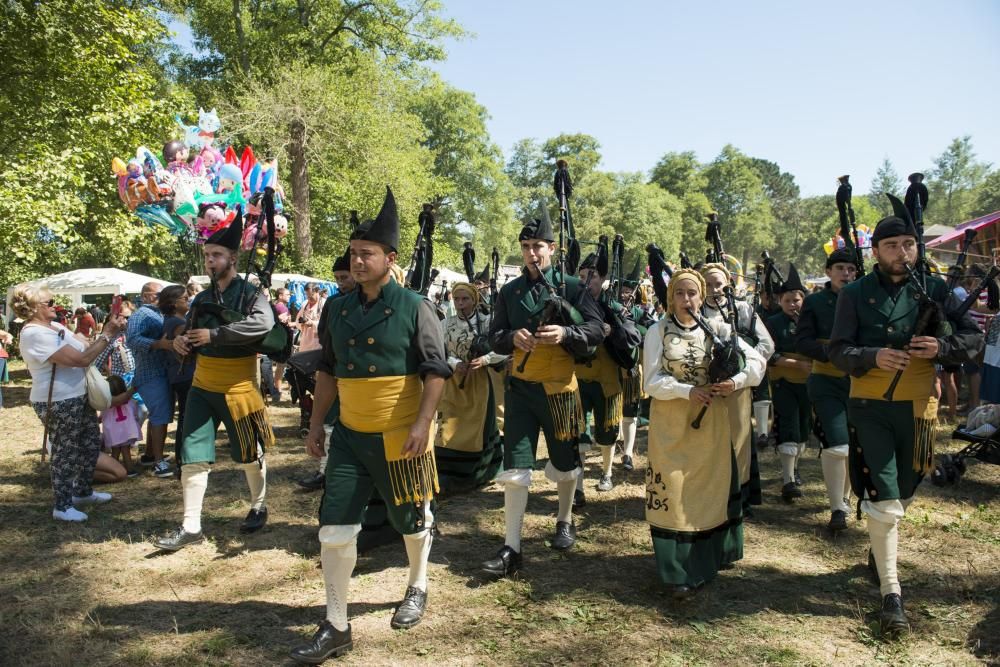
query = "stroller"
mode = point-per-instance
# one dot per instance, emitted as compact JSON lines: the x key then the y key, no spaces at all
{"x":951,"y":467}
{"x":301,"y":372}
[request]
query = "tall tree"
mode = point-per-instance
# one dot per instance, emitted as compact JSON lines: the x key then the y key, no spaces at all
{"x":82,"y":80}
{"x":955,"y":174}
{"x":886,"y":180}
{"x":683,"y":176}
{"x":987,"y":195}
{"x":737,"y":193}
{"x":260,"y":41}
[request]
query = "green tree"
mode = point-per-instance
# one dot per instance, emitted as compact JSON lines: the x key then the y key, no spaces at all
{"x":737,"y":193}
{"x":82,"y":84}
{"x":262,"y":42}
{"x":955,"y":175}
{"x":886,"y":180}
{"x":987,"y":195}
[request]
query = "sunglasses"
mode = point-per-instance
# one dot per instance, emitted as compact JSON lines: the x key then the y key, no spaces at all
{"x":50,"y":303}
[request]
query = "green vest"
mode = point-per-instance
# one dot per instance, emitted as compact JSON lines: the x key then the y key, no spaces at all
{"x":782,"y":329}
{"x":823,"y":305}
{"x":207,"y":316}
{"x":523,"y":310}
{"x":883,"y":322}
{"x":379,"y":342}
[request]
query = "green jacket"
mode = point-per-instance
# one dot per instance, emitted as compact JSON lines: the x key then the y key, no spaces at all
{"x":231,"y":337}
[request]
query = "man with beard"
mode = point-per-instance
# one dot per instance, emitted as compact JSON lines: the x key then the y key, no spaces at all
{"x":892,"y":441}
{"x":827,"y":385}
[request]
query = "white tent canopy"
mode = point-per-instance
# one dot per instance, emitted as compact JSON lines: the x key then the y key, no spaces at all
{"x":81,"y":282}
{"x":277,"y":279}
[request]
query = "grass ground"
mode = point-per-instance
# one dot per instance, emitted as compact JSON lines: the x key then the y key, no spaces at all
{"x":99,"y":594}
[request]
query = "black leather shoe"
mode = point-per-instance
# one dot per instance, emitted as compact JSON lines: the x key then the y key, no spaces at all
{"x":255,"y":520}
{"x":328,"y":642}
{"x":565,"y":536}
{"x":411,"y":610}
{"x":579,"y":500}
{"x":627,"y":463}
{"x":892,"y":618}
{"x":790,"y":492}
{"x":682,"y":591}
{"x":838,"y":521}
{"x":798,"y":478}
{"x":505,"y":563}
{"x":178,"y":539}
{"x":313,"y":482}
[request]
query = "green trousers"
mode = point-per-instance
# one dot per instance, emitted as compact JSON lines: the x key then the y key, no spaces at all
{"x":881,"y":454}
{"x":593,"y":402}
{"x":355,"y":470}
{"x":204,"y":412}
{"x":526,"y":412}
{"x":829,"y":398}
{"x":793,"y":411}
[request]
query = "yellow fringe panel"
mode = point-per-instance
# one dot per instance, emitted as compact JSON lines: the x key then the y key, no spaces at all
{"x":389,"y":406}
{"x":924,"y":425}
{"x":916,"y":384}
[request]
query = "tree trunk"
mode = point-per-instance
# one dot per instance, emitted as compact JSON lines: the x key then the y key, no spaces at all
{"x":241,"y":39}
{"x":300,"y":189}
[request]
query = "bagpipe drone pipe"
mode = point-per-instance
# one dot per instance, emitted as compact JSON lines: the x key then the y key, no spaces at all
{"x":727,"y":359}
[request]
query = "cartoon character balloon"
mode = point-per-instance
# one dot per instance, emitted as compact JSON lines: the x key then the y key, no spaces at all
{"x":864,"y":238}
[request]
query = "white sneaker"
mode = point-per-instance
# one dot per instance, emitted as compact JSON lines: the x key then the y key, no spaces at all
{"x":95,"y":498}
{"x":72,"y":514}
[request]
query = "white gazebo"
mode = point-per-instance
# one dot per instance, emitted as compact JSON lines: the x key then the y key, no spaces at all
{"x":278,"y":280}
{"x":76,"y":284}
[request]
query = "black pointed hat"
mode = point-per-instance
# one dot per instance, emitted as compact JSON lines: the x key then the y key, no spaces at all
{"x":231,"y":236}
{"x":483,"y":276}
{"x":589,"y":262}
{"x":792,"y":281}
{"x":343,"y":263}
{"x":538,"y":228}
{"x":636,"y":274}
{"x":384,"y":228}
{"x":898,"y":224}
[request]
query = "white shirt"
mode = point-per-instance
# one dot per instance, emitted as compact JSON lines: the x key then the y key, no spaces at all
{"x":38,"y":343}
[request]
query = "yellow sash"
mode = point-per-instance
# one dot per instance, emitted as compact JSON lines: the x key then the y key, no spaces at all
{"x":463,"y":411}
{"x":389,"y":406}
{"x":917,"y":386}
{"x":605,"y":371}
{"x":236,"y":378}
{"x":793,"y":375}
{"x":825,"y":367}
{"x":553,"y":367}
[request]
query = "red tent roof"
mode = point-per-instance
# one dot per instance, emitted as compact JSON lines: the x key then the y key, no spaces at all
{"x":976,"y":223}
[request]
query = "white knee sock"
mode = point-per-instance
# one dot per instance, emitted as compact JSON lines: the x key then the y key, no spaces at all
{"x":565,"y":490}
{"x":194,"y":482}
{"x":885,"y":537}
{"x":847,"y":482}
{"x":322,"y":462}
{"x":761,"y":414}
{"x":802,"y":451}
{"x":515,"y":503}
{"x":256,"y":474}
{"x":834,"y":463}
{"x":579,"y":481}
{"x":628,"y":434}
{"x":788,"y":451}
{"x":418,"y":549}
{"x":608,"y":453}
{"x":338,"y":564}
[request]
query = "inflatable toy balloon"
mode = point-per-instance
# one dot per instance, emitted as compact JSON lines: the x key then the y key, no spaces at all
{"x":211,"y":218}
{"x":280,"y":226}
{"x":230,"y":178}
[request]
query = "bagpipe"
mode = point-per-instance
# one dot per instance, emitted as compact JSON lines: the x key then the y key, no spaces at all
{"x":418,"y":275}
{"x":848,"y":224}
{"x":931,"y":316}
{"x":277,"y":344}
{"x":480,"y":341}
{"x":622,"y":343}
{"x":657,"y":268}
{"x":727,"y":358}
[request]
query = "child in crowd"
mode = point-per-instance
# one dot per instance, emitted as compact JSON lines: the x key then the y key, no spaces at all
{"x":121,"y":425}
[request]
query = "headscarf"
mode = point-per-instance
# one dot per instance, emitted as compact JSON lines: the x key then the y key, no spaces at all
{"x":684,"y":274}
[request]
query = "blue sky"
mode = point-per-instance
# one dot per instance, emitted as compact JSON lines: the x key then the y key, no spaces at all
{"x":820,"y":88}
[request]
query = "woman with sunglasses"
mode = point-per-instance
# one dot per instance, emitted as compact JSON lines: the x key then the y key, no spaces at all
{"x":57,"y":361}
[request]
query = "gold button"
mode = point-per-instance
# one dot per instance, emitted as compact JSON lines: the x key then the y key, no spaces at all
{"x":873,"y":492}
{"x":350,"y":367}
{"x":865,"y":470}
{"x":371,"y":341}
{"x":388,"y":311}
{"x":350,"y":341}
{"x":889,"y":329}
{"x":371,"y":369}
{"x":343,"y":312}
{"x":857,"y":449}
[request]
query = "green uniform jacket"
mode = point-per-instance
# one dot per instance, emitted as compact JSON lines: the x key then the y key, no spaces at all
{"x":816,"y":324}
{"x":783,"y":330}
{"x":521,"y":302}
{"x":232,"y":339}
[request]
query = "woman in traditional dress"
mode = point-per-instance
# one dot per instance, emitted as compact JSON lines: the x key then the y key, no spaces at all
{"x":470,"y":450}
{"x":692,"y":482}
